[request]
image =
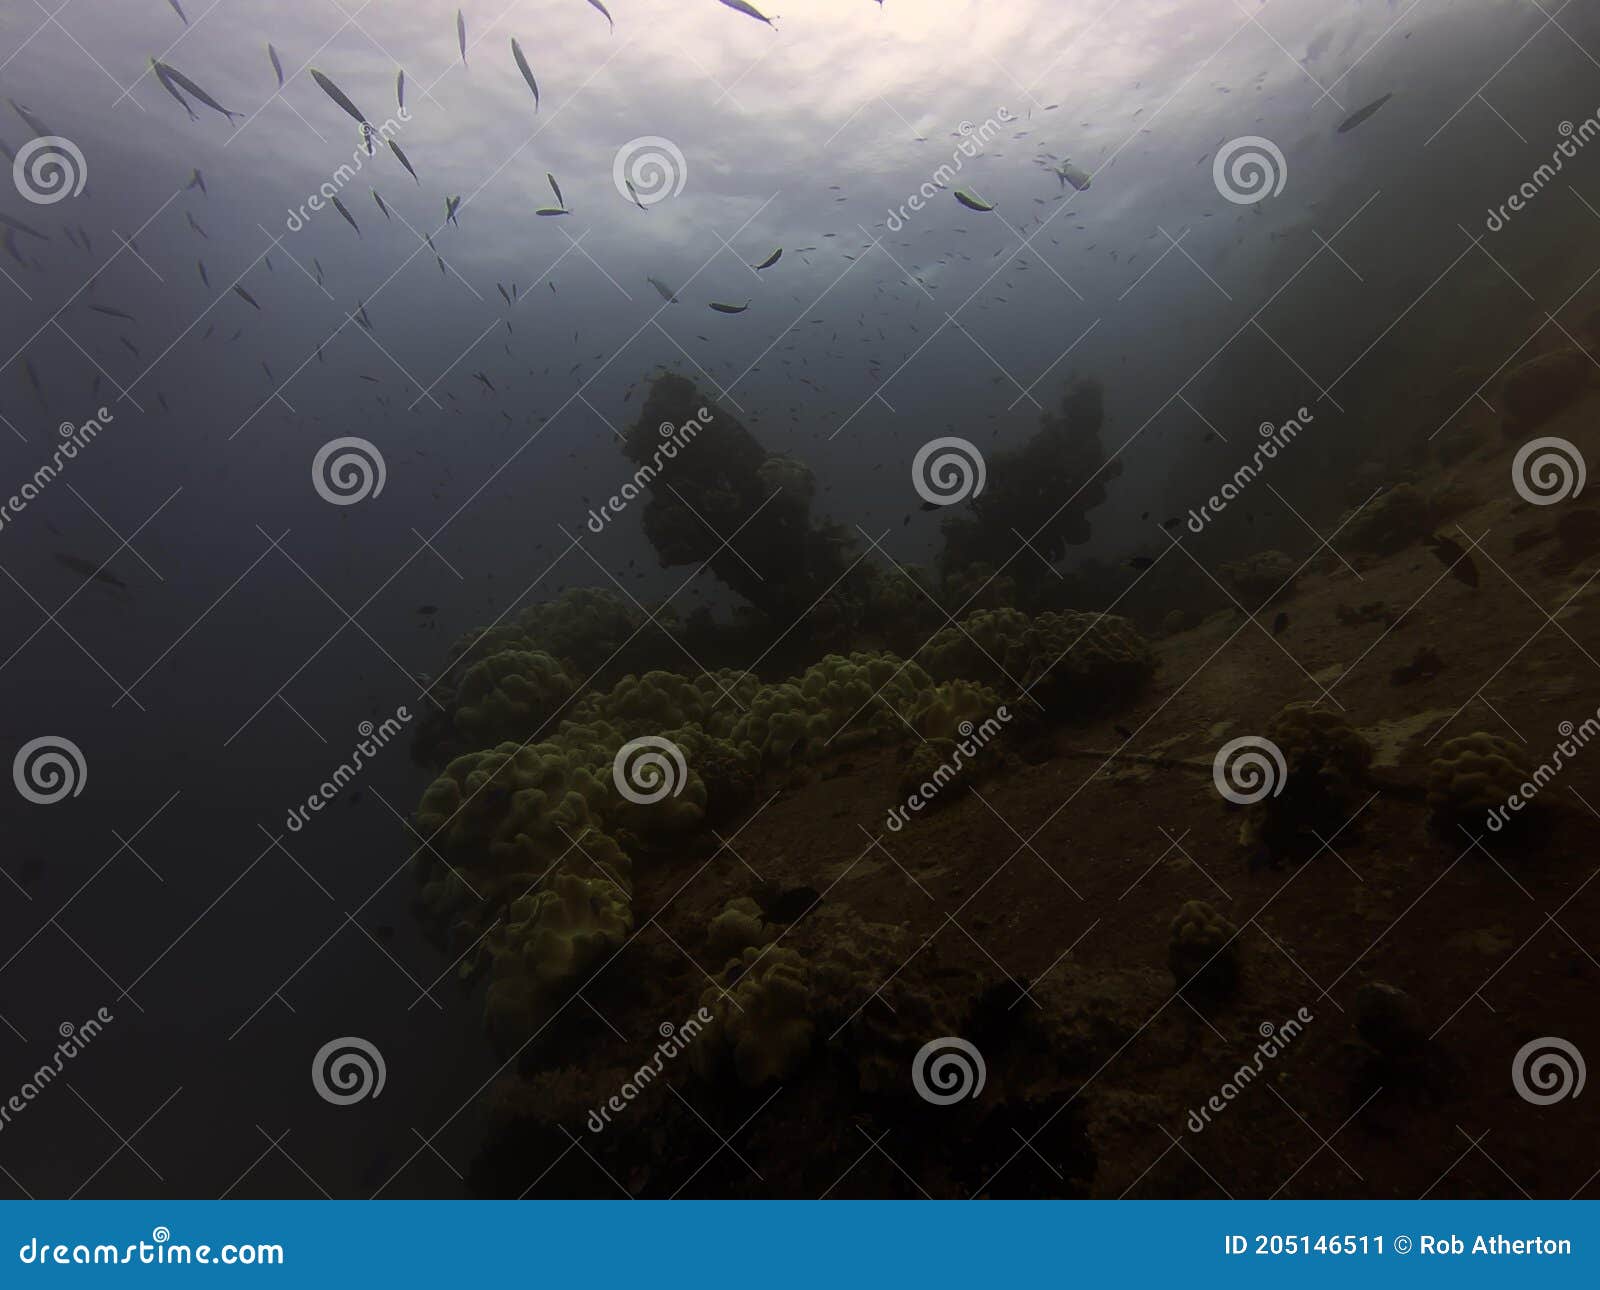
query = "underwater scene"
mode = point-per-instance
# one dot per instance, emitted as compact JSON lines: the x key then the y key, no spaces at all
{"x":799,"y":599}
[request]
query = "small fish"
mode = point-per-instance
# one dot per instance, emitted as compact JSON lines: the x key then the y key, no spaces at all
{"x":729,"y":309}
{"x":1279,"y":623}
{"x":556,"y":189}
{"x":195,"y":225}
{"x":596,"y":4}
{"x":1141,"y":562}
{"x":272,"y":54}
{"x":400,"y":88}
{"x":33,"y":380}
{"x":268,"y":371}
{"x":461,"y":35}
{"x":194,"y":91}
{"x":178,"y":9}
{"x":740,"y":6}
{"x":552,"y":210}
{"x":349,"y":218}
{"x":479,"y":376}
{"x":268,"y":260}
{"x":1356,"y":118}
{"x":403,"y":159}
{"x":166,"y":84}
{"x":451,"y":205}
{"x":366,"y":138}
{"x":84,"y":569}
{"x":381,"y":206}
{"x":527,"y":72}
{"x":663,"y":290}
{"x":196,"y":180}
{"x":20,"y":227}
{"x":972,"y":203}
{"x":427,"y":610}
{"x":246,"y":297}
{"x":318,"y":265}
{"x":339,"y":97}
{"x":109,"y":312}
{"x":634,"y":193}
{"x":769,"y":261}
{"x":502,"y":292}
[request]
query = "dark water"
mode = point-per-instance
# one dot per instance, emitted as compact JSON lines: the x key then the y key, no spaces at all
{"x":235,"y":629}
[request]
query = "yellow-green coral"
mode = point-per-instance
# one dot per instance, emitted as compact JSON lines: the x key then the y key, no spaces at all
{"x":510,"y":811}
{"x":512,"y":694}
{"x":1475,"y":773}
{"x":1390,"y":522}
{"x":1319,"y":743}
{"x":1070,"y":663}
{"x":1203,"y":951}
{"x":761,"y":1008}
{"x":549,"y":942}
{"x":1261,"y":579}
{"x":738,"y":927}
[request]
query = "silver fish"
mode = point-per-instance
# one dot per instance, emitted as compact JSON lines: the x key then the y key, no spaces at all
{"x":194,"y":91}
{"x":461,"y":35}
{"x":28,"y":119}
{"x":339,"y":97}
{"x":972,"y":203}
{"x":201,"y":265}
{"x":22,"y":228}
{"x":729,"y":309}
{"x":276,"y":65}
{"x":451,"y":205}
{"x":665,"y":292}
{"x":556,"y":189}
{"x":109,"y":312}
{"x":527,"y":72}
{"x":606,"y":12}
{"x":246,"y":297}
{"x":400,"y":88}
{"x":349,"y":218}
{"x":381,"y":206}
{"x":178,"y":9}
{"x":769,"y":261}
{"x":166,"y":84}
{"x":1356,"y":118}
{"x":196,"y":180}
{"x":404,"y":160}
{"x":740,"y":6}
